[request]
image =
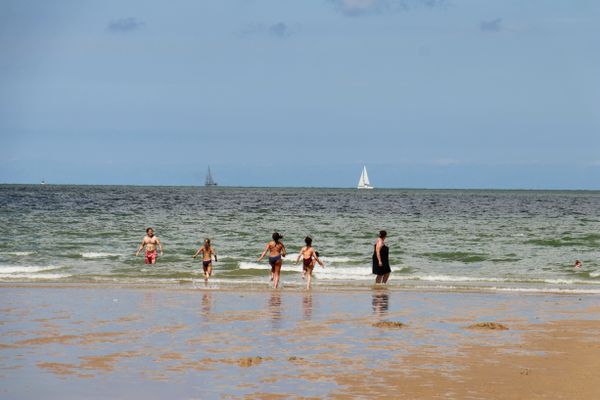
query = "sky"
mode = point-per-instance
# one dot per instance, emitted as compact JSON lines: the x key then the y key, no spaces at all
{"x":426,"y":93}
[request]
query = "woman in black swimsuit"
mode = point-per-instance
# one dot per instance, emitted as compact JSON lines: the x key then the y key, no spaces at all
{"x":276,"y":250}
{"x":381,"y":262}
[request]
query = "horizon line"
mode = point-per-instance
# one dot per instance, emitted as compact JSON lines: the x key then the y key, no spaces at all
{"x":300,"y":187}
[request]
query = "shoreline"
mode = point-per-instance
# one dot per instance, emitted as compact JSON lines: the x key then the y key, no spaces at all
{"x":257,"y":286}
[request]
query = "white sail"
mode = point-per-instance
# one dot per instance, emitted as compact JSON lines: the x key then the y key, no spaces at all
{"x":363,"y":182}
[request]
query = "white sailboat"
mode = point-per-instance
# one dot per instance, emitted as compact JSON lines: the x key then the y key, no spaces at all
{"x":363,"y":182}
{"x":209,"y":181}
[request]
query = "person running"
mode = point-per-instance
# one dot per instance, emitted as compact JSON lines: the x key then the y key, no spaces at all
{"x":276,"y":250}
{"x":381,"y":263}
{"x":150,"y":242}
{"x":207,"y":255}
{"x":309,"y":257}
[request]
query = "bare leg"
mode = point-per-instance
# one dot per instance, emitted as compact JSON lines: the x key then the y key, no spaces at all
{"x":308,"y":277}
{"x":378,"y":279}
{"x":385,"y":277}
{"x":276,"y":271}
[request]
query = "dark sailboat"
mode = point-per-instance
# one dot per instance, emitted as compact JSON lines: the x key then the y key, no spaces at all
{"x":209,"y":181}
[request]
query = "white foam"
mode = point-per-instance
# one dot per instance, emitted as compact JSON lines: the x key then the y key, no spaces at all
{"x":265,"y":266}
{"x":448,"y":278}
{"x":253,"y":265}
{"x":337,"y":260}
{"x":98,"y":255}
{"x":594,"y":274}
{"x":544,"y":290}
{"x":11,"y":269}
{"x":34,"y":276}
{"x":347,"y":274}
{"x":511,"y":289}
{"x":18,"y":253}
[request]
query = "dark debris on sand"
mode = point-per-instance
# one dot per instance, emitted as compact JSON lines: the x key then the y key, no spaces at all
{"x":389,"y":324}
{"x":494,"y":326}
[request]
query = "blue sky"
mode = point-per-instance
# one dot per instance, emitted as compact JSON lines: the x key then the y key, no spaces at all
{"x":426,"y":93}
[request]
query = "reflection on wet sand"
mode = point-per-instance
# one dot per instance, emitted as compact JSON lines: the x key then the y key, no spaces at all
{"x":206,"y":305}
{"x":275,"y":308}
{"x":380,"y":302}
{"x":307,"y":305}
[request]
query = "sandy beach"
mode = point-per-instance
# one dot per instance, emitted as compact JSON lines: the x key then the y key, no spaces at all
{"x":109,"y":342}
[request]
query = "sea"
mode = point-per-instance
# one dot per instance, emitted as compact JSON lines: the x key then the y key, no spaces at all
{"x":485,"y":240}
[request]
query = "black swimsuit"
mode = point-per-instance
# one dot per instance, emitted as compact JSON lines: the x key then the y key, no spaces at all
{"x":307,"y":263}
{"x":385,"y":262}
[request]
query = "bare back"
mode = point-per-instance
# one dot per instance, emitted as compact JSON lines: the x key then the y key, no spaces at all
{"x":275,"y":249}
{"x":307,"y":252}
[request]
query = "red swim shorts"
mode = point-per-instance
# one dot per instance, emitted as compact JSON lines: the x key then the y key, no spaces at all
{"x":150,"y":257}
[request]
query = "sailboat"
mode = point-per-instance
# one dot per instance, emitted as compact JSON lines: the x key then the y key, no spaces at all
{"x":363,"y":182}
{"x":209,"y":181}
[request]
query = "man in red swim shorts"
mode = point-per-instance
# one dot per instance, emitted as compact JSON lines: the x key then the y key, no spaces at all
{"x":150,"y":242}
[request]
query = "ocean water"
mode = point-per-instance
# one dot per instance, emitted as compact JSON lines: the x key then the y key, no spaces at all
{"x":450,"y":239}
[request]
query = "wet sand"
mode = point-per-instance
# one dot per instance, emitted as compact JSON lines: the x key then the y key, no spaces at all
{"x":101,"y":342}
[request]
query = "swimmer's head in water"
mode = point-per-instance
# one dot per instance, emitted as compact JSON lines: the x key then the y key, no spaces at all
{"x":308,"y":241}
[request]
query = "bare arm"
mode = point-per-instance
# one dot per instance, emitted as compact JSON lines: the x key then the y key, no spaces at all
{"x":159,"y":246}
{"x":137,"y":253}
{"x":283,"y":254}
{"x":317,"y":260}
{"x":198,"y":252}
{"x":214,"y":252}
{"x":264,"y":252}
{"x":299,"y":255}
{"x":378,"y":250}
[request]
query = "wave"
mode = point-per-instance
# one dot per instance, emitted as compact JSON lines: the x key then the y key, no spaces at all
{"x":34,"y":276}
{"x":98,"y":255}
{"x":12,"y":269}
{"x":457,"y":256}
{"x":266,"y":266}
{"x":347,"y":274}
{"x":546,"y":290}
{"x":18,"y":253}
{"x":448,"y":278}
{"x":510,"y":289}
{"x":335,"y":260}
{"x":590,"y":240}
